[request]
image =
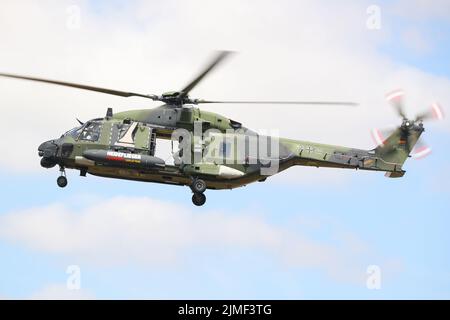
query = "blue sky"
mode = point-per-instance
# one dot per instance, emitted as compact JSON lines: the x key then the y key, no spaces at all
{"x":434,"y":29}
{"x":360,"y":218}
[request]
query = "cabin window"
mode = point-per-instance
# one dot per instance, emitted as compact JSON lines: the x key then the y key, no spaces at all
{"x":225,"y":149}
{"x":123,"y":129}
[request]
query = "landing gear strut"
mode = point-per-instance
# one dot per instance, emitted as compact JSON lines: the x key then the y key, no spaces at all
{"x":198,"y":187}
{"x":62,"y":180}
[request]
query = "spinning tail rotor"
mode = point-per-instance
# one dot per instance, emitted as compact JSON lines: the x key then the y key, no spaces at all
{"x":397,"y":144}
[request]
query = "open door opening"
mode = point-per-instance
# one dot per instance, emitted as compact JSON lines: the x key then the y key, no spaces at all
{"x":164,"y":149}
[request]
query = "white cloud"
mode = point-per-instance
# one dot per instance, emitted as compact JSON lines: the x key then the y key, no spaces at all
{"x":288,"y":50}
{"x":61,"y":292}
{"x":56,"y":291}
{"x":422,"y":9}
{"x":151,"y":233}
{"x":416,"y":41}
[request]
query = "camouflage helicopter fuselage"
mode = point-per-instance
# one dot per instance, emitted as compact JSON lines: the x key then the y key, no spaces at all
{"x":123,"y":147}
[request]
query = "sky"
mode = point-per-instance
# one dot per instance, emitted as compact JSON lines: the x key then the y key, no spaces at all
{"x":305,"y":233}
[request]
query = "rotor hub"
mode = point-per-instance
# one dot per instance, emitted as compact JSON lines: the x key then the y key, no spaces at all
{"x":412,"y":125}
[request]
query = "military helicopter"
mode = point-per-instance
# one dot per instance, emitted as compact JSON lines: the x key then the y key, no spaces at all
{"x":122,"y":145}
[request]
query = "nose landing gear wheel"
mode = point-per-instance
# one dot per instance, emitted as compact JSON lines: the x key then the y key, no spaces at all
{"x":61,"y":181}
{"x":198,"y":199}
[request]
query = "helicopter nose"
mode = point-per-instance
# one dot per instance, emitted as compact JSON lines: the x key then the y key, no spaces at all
{"x":47,"y":149}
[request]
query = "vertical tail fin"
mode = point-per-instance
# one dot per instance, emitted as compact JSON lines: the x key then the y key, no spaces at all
{"x":397,"y":147}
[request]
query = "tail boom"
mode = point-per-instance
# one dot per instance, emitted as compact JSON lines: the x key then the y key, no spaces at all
{"x":388,"y":157}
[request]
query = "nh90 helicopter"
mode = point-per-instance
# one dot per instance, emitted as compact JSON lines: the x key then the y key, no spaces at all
{"x":122,"y":145}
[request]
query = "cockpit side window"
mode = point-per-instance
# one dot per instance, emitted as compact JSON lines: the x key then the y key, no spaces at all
{"x":91,"y":131}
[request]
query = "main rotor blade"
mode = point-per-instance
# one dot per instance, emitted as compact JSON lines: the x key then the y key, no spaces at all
{"x":221,"y":55}
{"x":81,"y":86}
{"x":341,"y":103}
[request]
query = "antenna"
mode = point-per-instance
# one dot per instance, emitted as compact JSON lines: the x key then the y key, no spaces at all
{"x":109,"y":113}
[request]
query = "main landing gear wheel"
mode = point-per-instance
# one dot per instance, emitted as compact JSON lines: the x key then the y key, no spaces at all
{"x":198,"y":186}
{"x":198,"y":199}
{"x":61,"y":181}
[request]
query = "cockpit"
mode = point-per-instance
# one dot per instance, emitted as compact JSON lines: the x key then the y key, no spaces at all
{"x":74,"y":133}
{"x":90,"y":131}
